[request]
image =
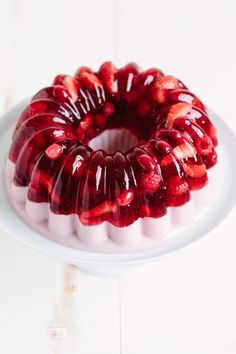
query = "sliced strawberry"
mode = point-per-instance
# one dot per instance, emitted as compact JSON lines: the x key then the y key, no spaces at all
{"x":184,"y":151}
{"x":108,"y":109}
{"x":54,"y":151}
{"x":167,"y":160}
{"x":72,"y":86}
{"x":161,"y":87}
{"x":177,"y":110}
{"x":99,"y":210}
{"x":70,"y":83}
{"x":81,"y":70}
{"x":89,"y":80}
{"x":125,"y":197}
{"x":177,"y":186}
{"x":194,"y":170}
{"x":150,"y":182}
{"x":107,"y":74}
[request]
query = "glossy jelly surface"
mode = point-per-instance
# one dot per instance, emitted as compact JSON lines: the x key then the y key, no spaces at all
{"x":175,"y":145}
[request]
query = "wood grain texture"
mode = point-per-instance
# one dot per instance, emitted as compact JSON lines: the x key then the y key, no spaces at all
{"x":42,"y":39}
{"x":186,"y":303}
{"x":47,"y":307}
{"x":182,"y":305}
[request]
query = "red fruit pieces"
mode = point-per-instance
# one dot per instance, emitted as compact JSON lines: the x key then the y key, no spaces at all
{"x":72,"y":86}
{"x":150,"y":182}
{"x":161,"y":87}
{"x":70,"y":83}
{"x":184,"y":95}
{"x":89,"y":80}
{"x":107,"y":75}
{"x":177,"y":186}
{"x":98,"y":211}
{"x":177,"y":110}
{"x":61,"y":94}
{"x":168,"y":159}
{"x":182,"y":151}
{"x":81,"y":70}
{"x":202,"y":141}
{"x":125,"y":197}
{"x":194,"y":170}
{"x":54,"y":151}
{"x":185,"y":150}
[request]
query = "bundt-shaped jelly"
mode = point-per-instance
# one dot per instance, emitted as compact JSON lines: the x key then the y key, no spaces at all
{"x":51,"y":152}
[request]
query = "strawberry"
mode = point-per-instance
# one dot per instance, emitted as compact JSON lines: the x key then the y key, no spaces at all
{"x":125,"y":197}
{"x":72,"y":86}
{"x":81,"y":70}
{"x":70,"y":83}
{"x":89,"y":80}
{"x":54,"y":151}
{"x":150,"y":182}
{"x":60,"y":93}
{"x":161,"y":87}
{"x":167,"y":160}
{"x":194,"y":170}
{"x":107,"y":75}
{"x":99,"y":210}
{"x":184,"y":151}
{"x":177,"y":186}
{"x":177,"y":110}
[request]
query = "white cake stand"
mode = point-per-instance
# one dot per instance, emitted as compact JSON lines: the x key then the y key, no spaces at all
{"x":116,"y":264}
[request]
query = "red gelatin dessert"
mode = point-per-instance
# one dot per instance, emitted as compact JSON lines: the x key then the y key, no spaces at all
{"x":101,"y":153}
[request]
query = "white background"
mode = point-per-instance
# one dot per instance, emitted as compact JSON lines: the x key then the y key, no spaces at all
{"x":184,"y":304}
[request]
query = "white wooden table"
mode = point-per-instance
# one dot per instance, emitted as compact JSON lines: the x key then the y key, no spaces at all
{"x":186,"y":303}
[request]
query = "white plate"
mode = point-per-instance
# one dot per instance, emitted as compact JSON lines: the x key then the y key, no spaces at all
{"x":111,"y":263}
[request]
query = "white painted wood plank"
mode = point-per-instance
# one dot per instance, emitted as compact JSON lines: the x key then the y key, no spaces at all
{"x":42,"y":39}
{"x":186,"y":303}
{"x":50,"y":308}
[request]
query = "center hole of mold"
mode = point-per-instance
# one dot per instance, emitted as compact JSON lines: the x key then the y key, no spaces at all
{"x":112,"y":140}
